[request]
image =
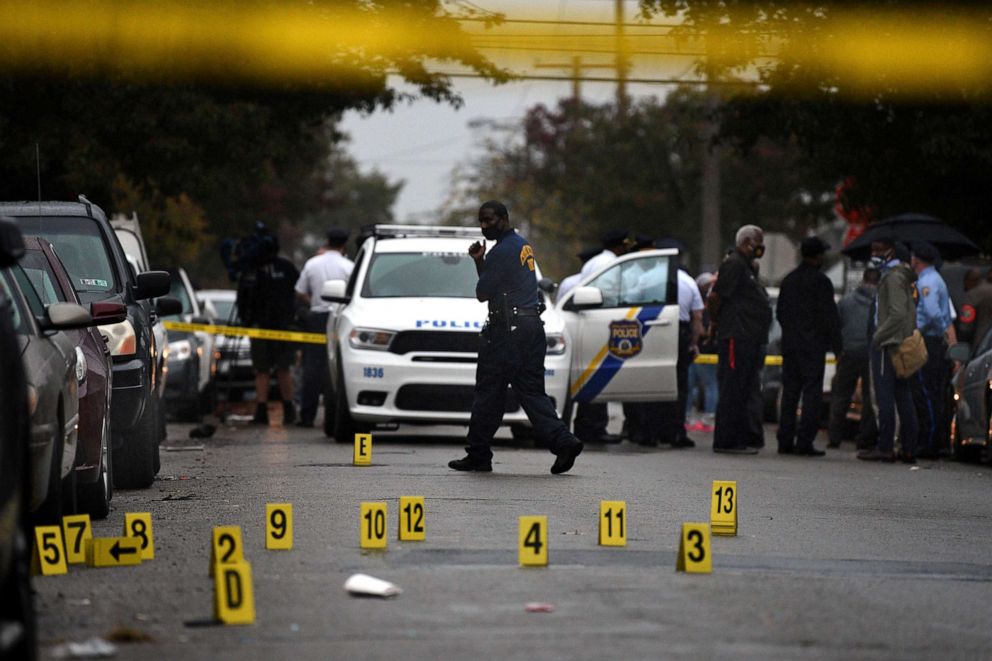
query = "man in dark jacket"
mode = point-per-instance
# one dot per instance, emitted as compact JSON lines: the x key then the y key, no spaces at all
{"x":742,"y":313}
{"x":852,"y":364}
{"x":810,"y":327}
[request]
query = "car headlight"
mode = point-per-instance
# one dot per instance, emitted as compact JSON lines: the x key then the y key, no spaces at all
{"x":120,"y":338}
{"x":370,"y":338}
{"x":556,"y":344}
{"x":80,"y":365}
{"x":180,"y":350}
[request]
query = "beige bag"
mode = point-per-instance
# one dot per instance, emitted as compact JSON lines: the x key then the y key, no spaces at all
{"x":909,"y":356}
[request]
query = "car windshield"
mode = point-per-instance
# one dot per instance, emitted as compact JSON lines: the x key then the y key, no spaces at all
{"x":421,"y":274}
{"x":83,"y":251}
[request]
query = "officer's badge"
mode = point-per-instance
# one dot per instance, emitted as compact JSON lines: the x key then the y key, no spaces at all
{"x":625,"y":338}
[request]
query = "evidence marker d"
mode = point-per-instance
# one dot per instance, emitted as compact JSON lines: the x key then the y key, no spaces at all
{"x":234,"y":598}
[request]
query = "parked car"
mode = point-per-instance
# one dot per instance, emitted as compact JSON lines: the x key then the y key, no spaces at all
{"x":971,"y":412}
{"x":94,"y":259}
{"x":17,"y":619}
{"x":50,"y":361}
{"x":234,"y":374}
{"x":94,"y":483}
{"x":189,"y":388}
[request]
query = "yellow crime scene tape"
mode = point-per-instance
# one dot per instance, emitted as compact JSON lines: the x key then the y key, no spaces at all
{"x":257,"y":333}
{"x":713,"y":359}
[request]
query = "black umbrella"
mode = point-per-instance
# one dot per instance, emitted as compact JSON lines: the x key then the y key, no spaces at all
{"x":910,"y":227}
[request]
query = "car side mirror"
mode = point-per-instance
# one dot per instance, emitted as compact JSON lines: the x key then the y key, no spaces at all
{"x":152,"y":284}
{"x":108,"y":312}
{"x":585,"y":298}
{"x":333,"y":291}
{"x":959,"y":352}
{"x":547,"y":285}
{"x":166,"y":306}
{"x":65,"y":316}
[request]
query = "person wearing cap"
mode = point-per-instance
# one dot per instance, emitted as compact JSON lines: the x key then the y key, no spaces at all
{"x":892,"y":320}
{"x":329,"y":264}
{"x":810,"y":327}
{"x":741,"y":310}
{"x":976,"y":313}
{"x":591,"y":419}
{"x":512,"y":349}
{"x":569,"y":283}
{"x":934,"y":321}
{"x":703,"y":375}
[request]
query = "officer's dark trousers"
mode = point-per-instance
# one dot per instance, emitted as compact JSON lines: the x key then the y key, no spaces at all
{"x":314,"y":368}
{"x":929,"y":386}
{"x":892,"y":394}
{"x":736,"y":372}
{"x":756,"y":405}
{"x":513,"y":359}
{"x":673,"y":413}
{"x":802,"y":378}
{"x":851,"y":366}
{"x":591,"y":421}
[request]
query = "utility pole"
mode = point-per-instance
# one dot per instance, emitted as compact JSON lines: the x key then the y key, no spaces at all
{"x":711,"y":249}
{"x":621,"y":60}
{"x":576,"y":67}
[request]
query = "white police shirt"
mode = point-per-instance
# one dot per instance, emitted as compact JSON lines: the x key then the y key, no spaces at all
{"x":331,"y":265}
{"x":690,"y":300}
{"x":597,"y":262}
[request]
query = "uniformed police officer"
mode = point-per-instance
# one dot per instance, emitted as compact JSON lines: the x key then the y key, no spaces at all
{"x":933,"y":319}
{"x":513,"y":347}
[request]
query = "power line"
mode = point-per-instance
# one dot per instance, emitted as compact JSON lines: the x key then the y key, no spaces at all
{"x":605,"y":51}
{"x":534,"y":21}
{"x":604,"y":79}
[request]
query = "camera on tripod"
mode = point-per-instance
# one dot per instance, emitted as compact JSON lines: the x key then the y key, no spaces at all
{"x":243,"y":256}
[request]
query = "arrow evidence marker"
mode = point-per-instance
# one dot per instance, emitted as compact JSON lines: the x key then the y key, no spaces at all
{"x":363,"y":449}
{"x":48,"y":557}
{"x":226,"y":547}
{"x":723,"y":509}
{"x":113,"y":552}
{"x":234,"y":599}
{"x":694,"y":549}
{"x":279,"y":526}
{"x":139,"y":526}
{"x":77,"y":531}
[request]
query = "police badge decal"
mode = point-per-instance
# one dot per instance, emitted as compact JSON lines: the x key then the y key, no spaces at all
{"x":625,"y":338}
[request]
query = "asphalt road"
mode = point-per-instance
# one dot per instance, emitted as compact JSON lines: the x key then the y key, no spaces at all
{"x":835,"y":558}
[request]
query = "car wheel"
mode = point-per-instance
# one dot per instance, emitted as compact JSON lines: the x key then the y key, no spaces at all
{"x":134,"y":461}
{"x":345,"y":426}
{"x":50,"y":511}
{"x":94,"y":499}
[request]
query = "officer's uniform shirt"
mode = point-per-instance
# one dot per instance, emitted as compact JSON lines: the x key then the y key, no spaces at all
{"x":630,"y":278}
{"x":745,"y":311}
{"x":976,"y":314}
{"x":568,"y":284}
{"x":690,"y":300}
{"x":598,"y":262}
{"x":509,"y":269}
{"x":331,"y":265}
{"x":933,"y":311}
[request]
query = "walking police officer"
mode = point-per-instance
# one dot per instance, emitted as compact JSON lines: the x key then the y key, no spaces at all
{"x":513,"y":347}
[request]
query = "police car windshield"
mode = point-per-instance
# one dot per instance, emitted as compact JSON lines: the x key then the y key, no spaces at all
{"x":421,"y":274}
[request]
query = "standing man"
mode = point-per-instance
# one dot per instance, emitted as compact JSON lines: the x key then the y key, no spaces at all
{"x":810,"y":327}
{"x":743,"y":314}
{"x":852,"y":363}
{"x":591,"y":419}
{"x":703,"y":375}
{"x":330,"y":264}
{"x":892,"y":321}
{"x":569,"y":283}
{"x":513,"y":347}
{"x":266,"y":300}
{"x":933,"y":319}
{"x":976,"y":313}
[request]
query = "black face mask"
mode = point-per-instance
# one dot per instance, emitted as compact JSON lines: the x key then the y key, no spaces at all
{"x":491,"y":232}
{"x":759,"y":251}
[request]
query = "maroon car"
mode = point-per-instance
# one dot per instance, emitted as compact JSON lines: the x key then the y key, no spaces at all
{"x":94,"y":481}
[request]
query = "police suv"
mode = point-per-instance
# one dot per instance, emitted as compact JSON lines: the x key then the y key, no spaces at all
{"x":404,"y":339}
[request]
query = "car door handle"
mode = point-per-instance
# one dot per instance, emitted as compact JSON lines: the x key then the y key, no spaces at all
{"x":658,"y":322}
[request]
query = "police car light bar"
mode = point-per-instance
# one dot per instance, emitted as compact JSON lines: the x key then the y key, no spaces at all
{"x":401,"y":231}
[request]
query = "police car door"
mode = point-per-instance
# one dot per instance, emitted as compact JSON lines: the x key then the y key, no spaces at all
{"x":626,"y":347}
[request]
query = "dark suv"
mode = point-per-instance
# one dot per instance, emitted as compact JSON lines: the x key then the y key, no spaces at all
{"x":94,"y":259}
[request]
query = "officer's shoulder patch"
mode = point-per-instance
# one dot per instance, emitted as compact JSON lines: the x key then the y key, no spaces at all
{"x":968,"y":314}
{"x":926,"y":292}
{"x":527,"y":256}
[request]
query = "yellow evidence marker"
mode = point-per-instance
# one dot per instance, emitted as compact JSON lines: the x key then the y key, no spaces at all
{"x":226,"y":547}
{"x":113,"y":552}
{"x":533,"y":541}
{"x":612,"y":523}
{"x":723,"y":511}
{"x":77,"y":531}
{"x":279,"y":526}
{"x":694,"y":549}
{"x":363,"y":449}
{"x":372,"y":524}
{"x":139,"y":526}
{"x":234,"y":599}
{"x":48,"y":558}
{"x":412,"y":510}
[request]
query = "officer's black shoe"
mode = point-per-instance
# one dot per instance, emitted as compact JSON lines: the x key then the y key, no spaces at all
{"x":566,"y":458}
{"x":288,"y":414}
{"x":470,"y":464}
{"x":786,"y":449}
{"x":809,"y":452}
{"x":736,"y":450}
{"x":684,"y":442}
{"x":261,"y":415}
{"x":305,"y":424}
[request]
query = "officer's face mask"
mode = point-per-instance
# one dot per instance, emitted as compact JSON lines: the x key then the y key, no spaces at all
{"x":758,"y":251}
{"x":491,"y":232}
{"x":878,"y":262}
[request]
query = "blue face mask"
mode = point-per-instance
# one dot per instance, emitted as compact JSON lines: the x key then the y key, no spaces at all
{"x":877,"y":262}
